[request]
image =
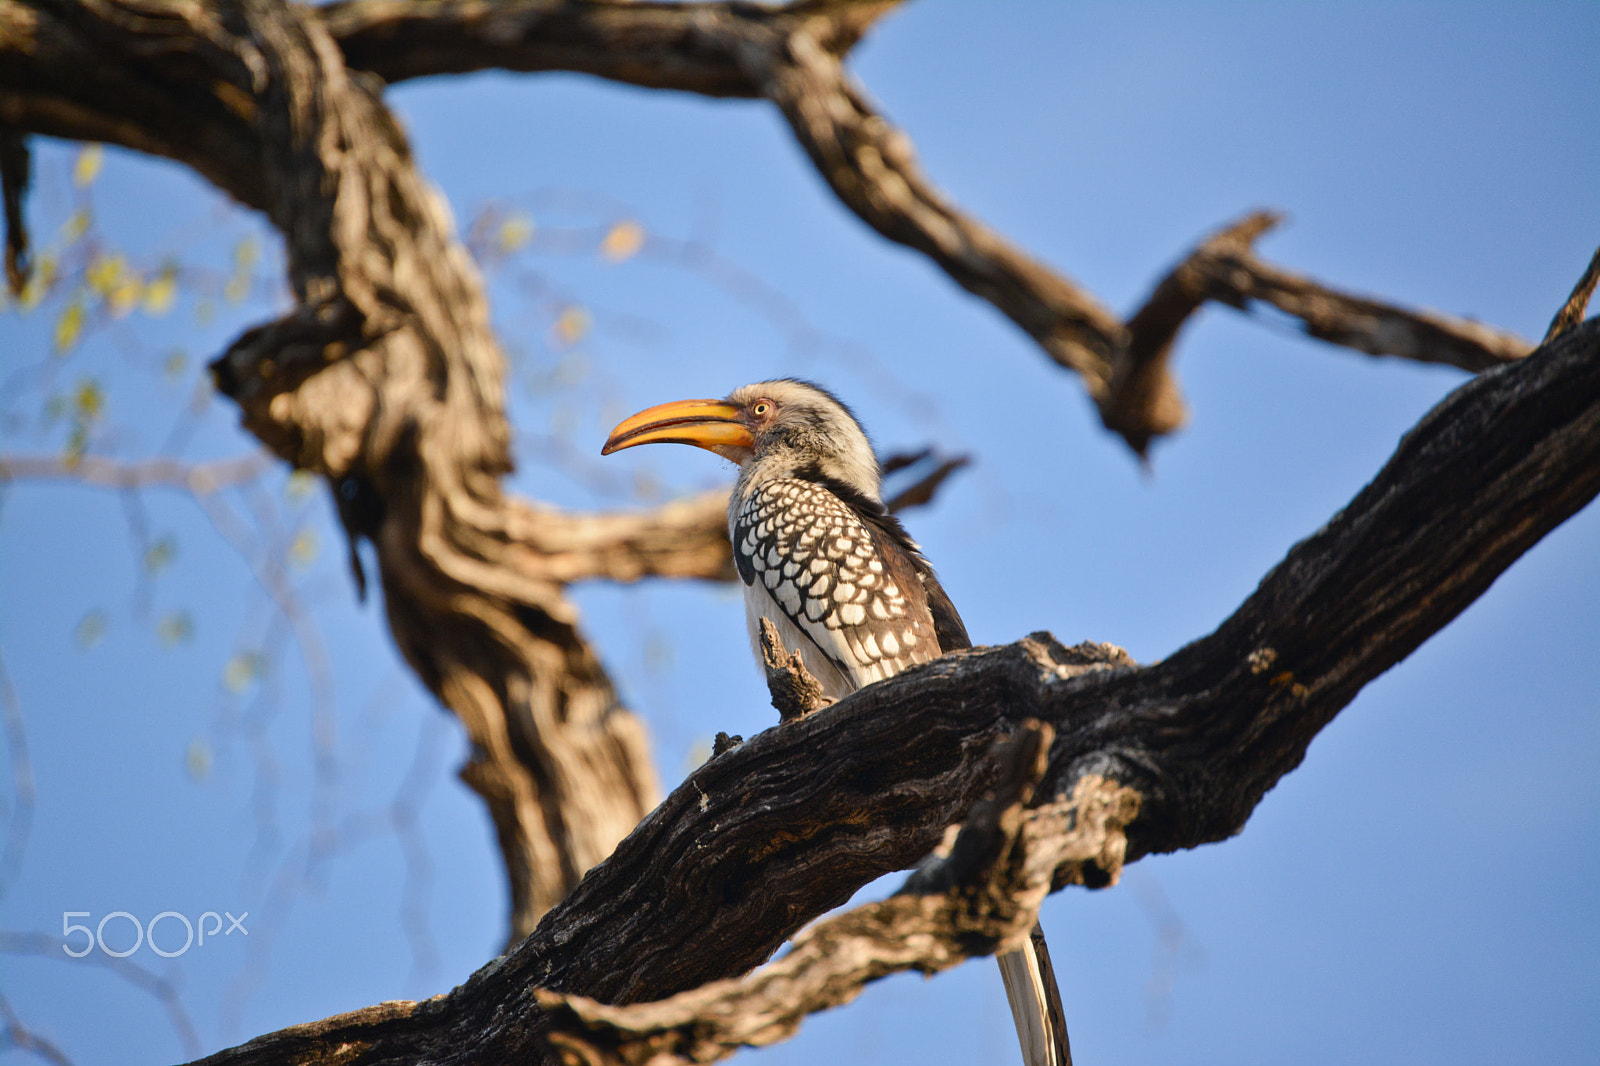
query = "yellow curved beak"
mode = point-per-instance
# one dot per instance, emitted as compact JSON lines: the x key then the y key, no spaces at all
{"x":709,"y":424}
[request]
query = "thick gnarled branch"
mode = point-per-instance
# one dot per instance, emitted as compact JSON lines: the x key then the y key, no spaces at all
{"x":774,"y":832}
{"x":979,"y":898}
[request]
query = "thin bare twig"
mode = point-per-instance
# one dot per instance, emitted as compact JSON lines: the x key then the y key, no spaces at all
{"x":19,"y":1036}
{"x":201,"y":479}
{"x":1572,"y":311}
{"x":21,"y":820}
{"x":42,"y":945}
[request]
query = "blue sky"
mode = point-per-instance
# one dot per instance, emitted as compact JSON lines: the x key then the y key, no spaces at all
{"x":1420,"y":889}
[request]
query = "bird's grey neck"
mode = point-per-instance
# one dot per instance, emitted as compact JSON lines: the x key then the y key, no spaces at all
{"x":855,"y":478}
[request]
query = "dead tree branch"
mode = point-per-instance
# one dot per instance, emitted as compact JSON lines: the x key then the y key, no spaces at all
{"x":980,"y":898}
{"x":199,"y":479}
{"x":1572,"y":311}
{"x":769,"y":835}
{"x":793,"y":57}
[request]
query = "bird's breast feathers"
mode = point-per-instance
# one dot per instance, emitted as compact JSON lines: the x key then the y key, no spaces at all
{"x":843,"y":588}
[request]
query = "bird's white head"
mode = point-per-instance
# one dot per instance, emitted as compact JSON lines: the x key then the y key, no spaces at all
{"x":784,"y":428}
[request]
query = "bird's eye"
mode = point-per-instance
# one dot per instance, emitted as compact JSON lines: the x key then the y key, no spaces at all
{"x":761,"y":408}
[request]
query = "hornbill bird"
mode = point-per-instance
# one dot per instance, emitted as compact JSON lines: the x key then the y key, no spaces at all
{"x":839,"y":578}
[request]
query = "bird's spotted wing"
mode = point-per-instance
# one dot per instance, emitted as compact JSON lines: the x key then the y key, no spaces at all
{"x":851,"y":593}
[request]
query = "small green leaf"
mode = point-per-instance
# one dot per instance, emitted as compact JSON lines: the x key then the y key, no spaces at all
{"x":197,"y":759}
{"x":659,"y":652}
{"x":91,"y":629}
{"x":88,"y":400}
{"x":514,"y":232}
{"x":176,"y":627}
{"x":126,"y":296}
{"x":241,"y":671}
{"x":159,"y":555}
{"x":77,"y":225}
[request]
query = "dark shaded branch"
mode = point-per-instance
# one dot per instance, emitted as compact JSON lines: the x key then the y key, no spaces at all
{"x":688,"y":47}
{"x":1224,"y":269}
{"x":922,"y":490}
{"x":1143,"y":397}
{"x":16,"y":171}
{"x":980,"y":898}
{"x":771,"y":834}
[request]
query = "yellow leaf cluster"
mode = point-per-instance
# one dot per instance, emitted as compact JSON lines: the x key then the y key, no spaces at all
{"x":572,"y":325}
{"x":513,"y":233}
{"x":87,"y":166}
{"x":77,"y":225}
{"x":161,"y":291}
{"x":105,"y":273}
{"x":303,"y":551}
{"x":69,"y":327}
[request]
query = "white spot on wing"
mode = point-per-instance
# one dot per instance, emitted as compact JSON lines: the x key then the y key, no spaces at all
{"x":789,"y":597}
